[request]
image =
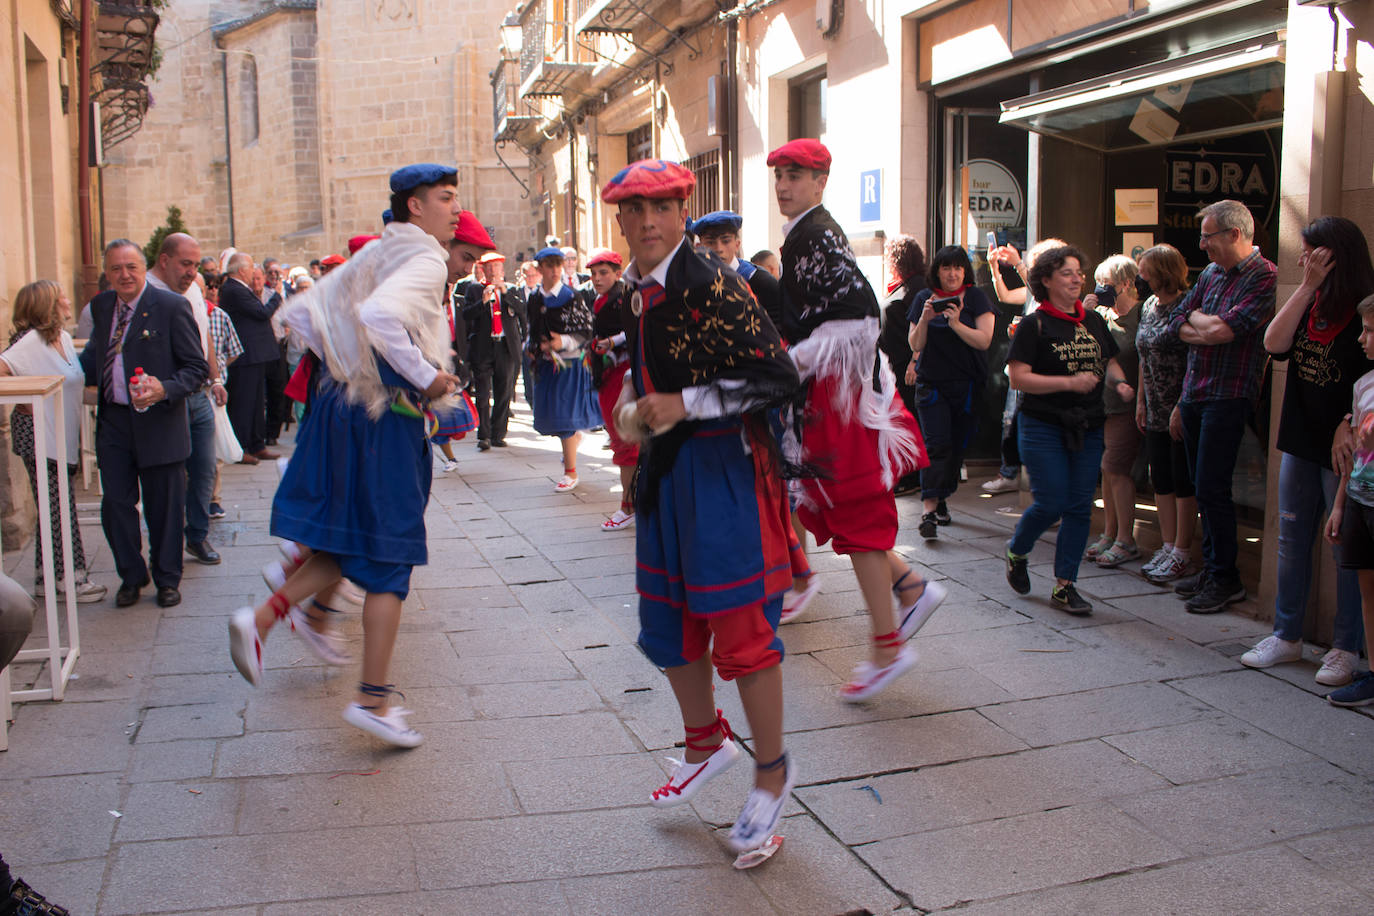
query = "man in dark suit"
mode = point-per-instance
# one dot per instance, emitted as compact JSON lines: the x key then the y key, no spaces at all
{"x":248,"y":382}
{"x":495,"y":320}
{"x":719,"y":231}
{"x":143,"y":437}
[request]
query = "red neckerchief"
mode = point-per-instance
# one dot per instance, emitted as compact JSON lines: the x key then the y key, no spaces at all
{"x":1319,"y":329}
{"x":600,"y":301}
{"x":1053,"y":312}
{"x":892,"y":287}
{"x":942,"y":294}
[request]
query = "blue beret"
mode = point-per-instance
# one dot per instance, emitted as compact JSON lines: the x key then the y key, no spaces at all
{"x":718,"y":221}
{"x":387,"y":217}
{"x":549,"y":252}
{"x":412,"y":176}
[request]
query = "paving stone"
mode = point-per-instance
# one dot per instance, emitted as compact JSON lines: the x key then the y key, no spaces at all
{"x":1167,"y":611}
{"x":1343,"y":854}
{"x":508,"y":669}
{"x":815,"y":873}
{"x":546,"y":846}
{"x":1271,"y":881}
{"x":853,"y":750}
{"x":1095,"y":713}
{"x":172,"y":874}
{"x":74,"y":885}
{"x":975,"y":790}
{"x":622,"y":780}
{"x":918,"y":693}
{"x":172,"y":760}
{"x":540,"y":698}
{"x":59,"y":818}
{"x":979,"y":861}
{"x":166,"y":810}
{"x":705,"y":889}
{"x":1335,"y":734}
{"x":198,"y":720}
{"x":476,"y":643}
{"x":1239,"y":812}
{"x":543,"y":897}
{"x":1207,"y":749}
{"x":396,"y":793}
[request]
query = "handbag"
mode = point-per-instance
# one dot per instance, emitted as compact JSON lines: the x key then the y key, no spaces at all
{"x":227,"y":448}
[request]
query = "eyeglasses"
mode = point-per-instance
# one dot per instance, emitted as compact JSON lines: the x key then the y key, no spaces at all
{"x":1207,"y":235}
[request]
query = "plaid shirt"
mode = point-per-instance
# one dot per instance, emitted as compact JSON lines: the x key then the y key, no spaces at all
{"x":225,"y":340}
{"x":1243,"y":297}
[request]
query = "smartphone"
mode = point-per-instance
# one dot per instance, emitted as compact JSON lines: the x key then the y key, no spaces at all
{"x":1106,"y":295}
{"x":992,"y":240}
{"x":945,"y":304}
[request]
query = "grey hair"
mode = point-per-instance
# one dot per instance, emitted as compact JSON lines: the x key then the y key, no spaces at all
{"x":117,"y":244}
{"x":238,"y":261}
{"x":1230,"y":214}
{"x":1116,"y":269}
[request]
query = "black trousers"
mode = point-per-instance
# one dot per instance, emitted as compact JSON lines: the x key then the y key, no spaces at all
{"x":495,"y":384}
{"x":278,"y":407}
{"x":163,"y":489}
{"x":247,"y":407}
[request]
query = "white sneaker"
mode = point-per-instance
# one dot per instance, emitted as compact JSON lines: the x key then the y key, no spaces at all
{"x":1172,"y":567}
{"x":87,"y":592}
{"x":1338,"y":668}
{"x":566,"y":484}
{"x":1158,"y":557}
{"x":915,"y":615}
{"x":327,"y":646}
{"x":761,"y":814}
{"x":794,"y":602}
{"x":349,"y":591}
{"x":1271,"y":651}
{"x":686,"y":779}
{"x":619,"y":521}
{"x":1000,"y":484}
{"x":391,"y":727}
{"x":868,"y":680}
{"x":450,"y":464}
{"x":245,"y":646}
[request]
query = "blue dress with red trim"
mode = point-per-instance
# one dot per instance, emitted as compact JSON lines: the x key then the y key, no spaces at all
{"x":716,"y":538}
{"x":565,"y":400}
{"x":356,"y":487}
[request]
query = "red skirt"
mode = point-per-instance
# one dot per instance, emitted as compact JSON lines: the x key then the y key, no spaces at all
{"x":623,"y":454}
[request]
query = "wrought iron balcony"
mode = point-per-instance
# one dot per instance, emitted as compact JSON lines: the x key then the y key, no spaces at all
{"x":126,"y":58}
{"x":550,"y":60}
{"x":510,"y":113}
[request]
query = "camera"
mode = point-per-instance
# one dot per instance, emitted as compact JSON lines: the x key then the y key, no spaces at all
{"x":944,"y":304}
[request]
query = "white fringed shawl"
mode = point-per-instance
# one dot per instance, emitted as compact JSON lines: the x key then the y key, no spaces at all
{"x":844,"y":349}
{"x":402,"y":276}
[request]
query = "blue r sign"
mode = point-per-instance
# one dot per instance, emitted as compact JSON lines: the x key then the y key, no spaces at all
{"x":871,"y":196}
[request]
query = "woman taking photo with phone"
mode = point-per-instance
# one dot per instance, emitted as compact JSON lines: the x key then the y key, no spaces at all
{"x":951,"y":330}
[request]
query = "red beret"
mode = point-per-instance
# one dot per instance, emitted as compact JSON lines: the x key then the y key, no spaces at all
{"x":806,"y":153}
{"x":358,"y":241}
{"x":471,"y":232}
{"x":652,"y":178}
{"x":333,"y":260}
{"x":604,"y":256}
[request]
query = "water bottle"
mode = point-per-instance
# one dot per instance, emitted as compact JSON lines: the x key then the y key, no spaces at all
{"x":136,"y":388}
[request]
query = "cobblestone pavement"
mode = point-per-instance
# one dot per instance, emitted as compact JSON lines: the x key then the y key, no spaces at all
{"x":1033,"y":763}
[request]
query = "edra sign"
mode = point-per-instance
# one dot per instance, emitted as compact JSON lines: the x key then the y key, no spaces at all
{"x":994,"y":195}
{"x":1224,"y":178}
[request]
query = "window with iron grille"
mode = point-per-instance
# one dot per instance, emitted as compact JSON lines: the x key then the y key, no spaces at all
{"x":639,"y":143}
{"x":706,"y":195}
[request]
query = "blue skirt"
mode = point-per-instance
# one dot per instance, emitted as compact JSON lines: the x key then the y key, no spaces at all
{"x":356,"y":487}
{"x":716,"y":540}
{"x":565,"y":401}
{"x":456,"y":422}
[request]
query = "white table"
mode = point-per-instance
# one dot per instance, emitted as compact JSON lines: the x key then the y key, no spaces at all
{"x":43,"y":394}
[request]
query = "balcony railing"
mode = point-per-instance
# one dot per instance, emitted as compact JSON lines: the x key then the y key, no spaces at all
{"x":510,"y":113}
{"x":126,"y":59}
{"x":549,"y":58}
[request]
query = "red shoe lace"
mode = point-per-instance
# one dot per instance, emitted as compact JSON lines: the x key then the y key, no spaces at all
{"x":693,"y":743}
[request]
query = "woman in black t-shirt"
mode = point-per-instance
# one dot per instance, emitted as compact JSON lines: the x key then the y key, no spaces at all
{"x":951,"y":330}
{"x":1317,"y":332}
{"x":906,"y":265}
{"x":1060,"y":357}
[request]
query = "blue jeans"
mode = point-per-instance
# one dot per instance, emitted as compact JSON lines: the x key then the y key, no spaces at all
{"x":1306,"y":491}
{"x":1212,"y":431}
{"x":200,"y":467}
{"x":1062,"y":483}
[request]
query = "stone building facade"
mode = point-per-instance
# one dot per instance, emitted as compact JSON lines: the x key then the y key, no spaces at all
{"x":319,"y":108}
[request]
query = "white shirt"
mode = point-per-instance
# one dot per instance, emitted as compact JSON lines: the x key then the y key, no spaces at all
{"x":199,"y":312}
{"x":31,"y":355}
{"x":787,"y":226}
{"x":702,"y":402}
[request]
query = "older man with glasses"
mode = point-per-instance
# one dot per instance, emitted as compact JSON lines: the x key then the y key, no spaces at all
{"x":1222,"y":320}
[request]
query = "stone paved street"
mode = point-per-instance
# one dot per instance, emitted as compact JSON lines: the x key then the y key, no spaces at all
{"x":1033,"y":763}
